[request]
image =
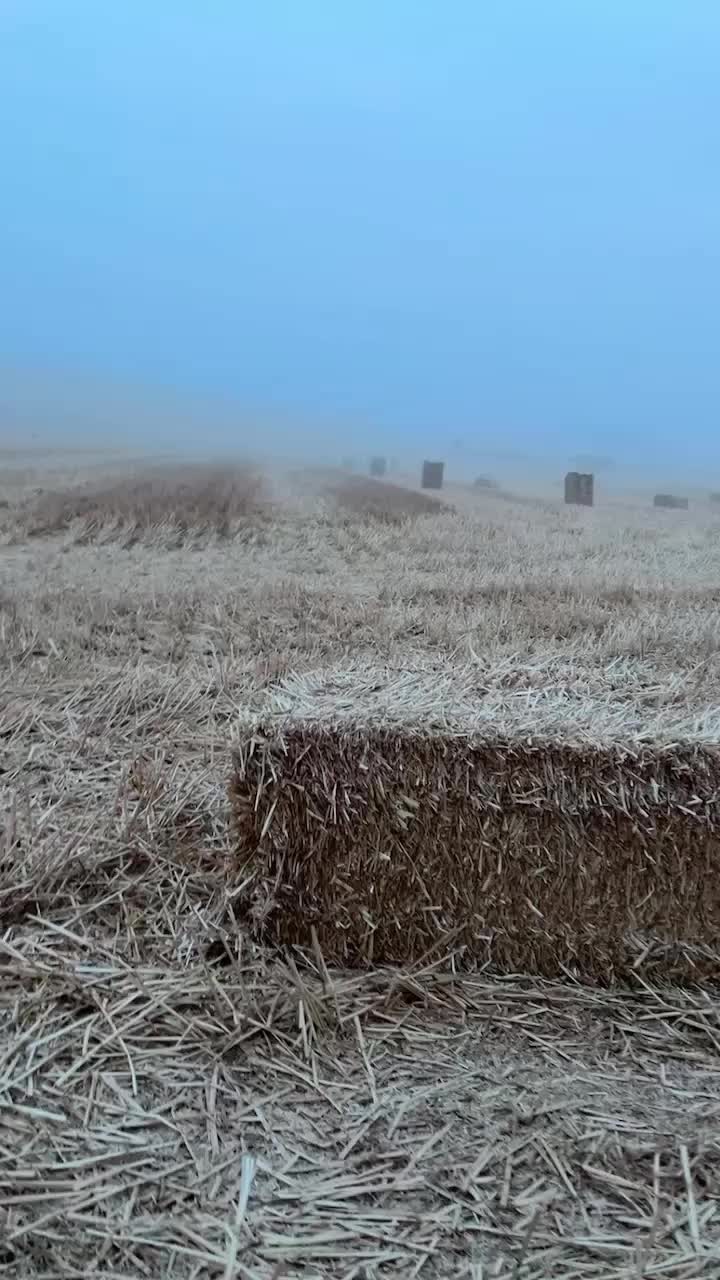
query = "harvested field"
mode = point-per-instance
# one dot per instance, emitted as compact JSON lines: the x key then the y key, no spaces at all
{"x":178,"y":1097}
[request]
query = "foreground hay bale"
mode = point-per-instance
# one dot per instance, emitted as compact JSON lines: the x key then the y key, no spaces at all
{"x":392,"y":846}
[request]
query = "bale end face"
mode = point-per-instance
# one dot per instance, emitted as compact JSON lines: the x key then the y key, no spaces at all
{"x":671,"y":501}
{"x":432,"y":475}
{"x":389,"y":847}
{"x":579,"y":488}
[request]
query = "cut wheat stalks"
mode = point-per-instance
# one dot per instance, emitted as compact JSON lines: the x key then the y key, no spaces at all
{"x":177,"y":1099}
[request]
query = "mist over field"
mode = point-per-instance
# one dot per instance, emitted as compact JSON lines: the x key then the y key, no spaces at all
{"x":49,"y":411}
{"x":380,"y":226}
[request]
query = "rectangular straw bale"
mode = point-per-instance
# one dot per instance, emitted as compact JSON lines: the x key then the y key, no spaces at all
{"x":670,"y":500}
{"x":579,"y":488}
{"x":432,"y":475}
{"x":391,"y":845}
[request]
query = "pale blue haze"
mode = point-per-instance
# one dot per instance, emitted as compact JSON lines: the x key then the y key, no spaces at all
{"x":499,"y":219}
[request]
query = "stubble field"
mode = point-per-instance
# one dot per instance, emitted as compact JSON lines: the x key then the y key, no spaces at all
{"x":181,"y":1097}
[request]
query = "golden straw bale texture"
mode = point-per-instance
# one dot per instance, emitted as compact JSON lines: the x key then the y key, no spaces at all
{"x":389,"y":845}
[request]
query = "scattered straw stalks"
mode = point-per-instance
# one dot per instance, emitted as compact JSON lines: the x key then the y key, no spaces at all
{"x":228,"y":1114}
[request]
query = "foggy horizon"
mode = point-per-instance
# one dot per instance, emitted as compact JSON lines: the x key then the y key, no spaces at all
{"x":389,"y":229}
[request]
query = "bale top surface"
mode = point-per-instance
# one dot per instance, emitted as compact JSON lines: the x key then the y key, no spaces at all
{"x":452,"y":699}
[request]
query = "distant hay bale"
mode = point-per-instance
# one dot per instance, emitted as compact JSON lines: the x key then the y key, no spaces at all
{"x":390,"y":846}
{"x":579,"y":488}
{"x":670,"y":500}
{"x":715,"y":497}
{"x":432,"y":475}
{"x":484,"y":482}
{"x":378,"y":466}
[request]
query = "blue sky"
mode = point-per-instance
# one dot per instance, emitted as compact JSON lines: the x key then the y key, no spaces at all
{"x":497,"y":219}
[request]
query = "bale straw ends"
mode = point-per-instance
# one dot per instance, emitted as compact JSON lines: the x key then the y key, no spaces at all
{"x":390,"y":846}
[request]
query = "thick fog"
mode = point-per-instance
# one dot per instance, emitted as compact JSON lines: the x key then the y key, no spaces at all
{"x":481,"y":230}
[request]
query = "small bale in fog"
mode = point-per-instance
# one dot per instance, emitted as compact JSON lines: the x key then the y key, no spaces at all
{"x":432,"y":475}
{"x":484,"y":482}
{"x":378,"y":466}
{"x":715,"y":498}
{"x":670,"y":500}
{"x":579,"y":488}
